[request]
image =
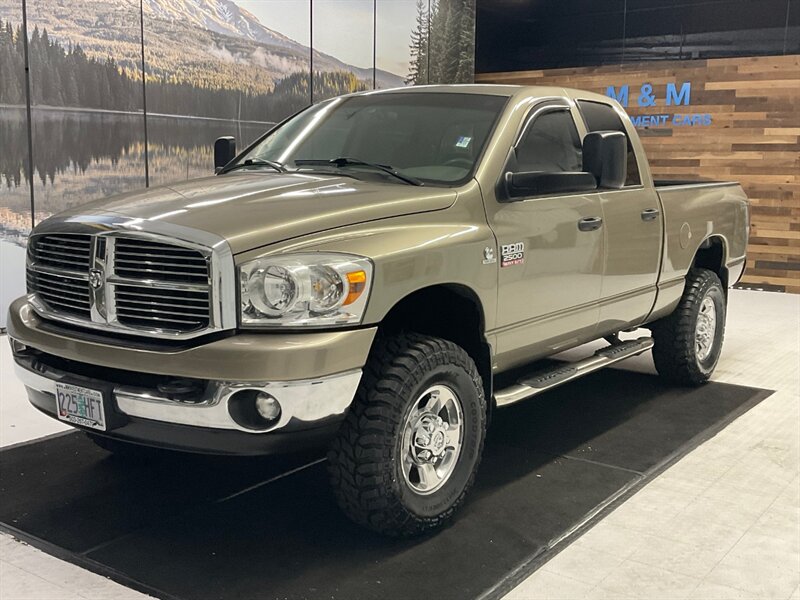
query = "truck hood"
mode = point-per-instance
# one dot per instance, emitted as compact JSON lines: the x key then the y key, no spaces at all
{"x":251,"y":210}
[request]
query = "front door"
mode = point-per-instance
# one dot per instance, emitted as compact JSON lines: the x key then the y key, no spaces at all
{"x":550,"y":262}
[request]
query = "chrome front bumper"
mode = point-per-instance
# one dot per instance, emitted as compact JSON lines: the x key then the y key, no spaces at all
{"x":304,"y":404}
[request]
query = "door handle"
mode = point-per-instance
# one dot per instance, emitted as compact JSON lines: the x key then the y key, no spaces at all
{"x":590,"y":223}
{"x":650,"y":214}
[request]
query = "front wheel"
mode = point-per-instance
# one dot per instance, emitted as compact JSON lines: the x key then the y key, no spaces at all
{"x":408,"y":451}
{"x":689,"y":341}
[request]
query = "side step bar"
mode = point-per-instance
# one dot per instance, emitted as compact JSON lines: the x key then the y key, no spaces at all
{"x":550,"y":378}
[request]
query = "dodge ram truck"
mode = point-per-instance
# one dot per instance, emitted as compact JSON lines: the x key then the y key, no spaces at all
{"x":365,"y":277}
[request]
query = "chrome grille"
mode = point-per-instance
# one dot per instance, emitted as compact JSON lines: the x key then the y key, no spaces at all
{"x":59,"y":293}
{"x":133,"y":283}
{"x":181,"y":310}
{"x":145,"y":259}
{"x":65,"y":252}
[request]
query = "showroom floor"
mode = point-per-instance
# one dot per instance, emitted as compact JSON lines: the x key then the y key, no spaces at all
{"x":724,"y":522}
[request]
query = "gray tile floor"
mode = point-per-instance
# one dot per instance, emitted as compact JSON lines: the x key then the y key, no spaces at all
{"x":723,"y":523}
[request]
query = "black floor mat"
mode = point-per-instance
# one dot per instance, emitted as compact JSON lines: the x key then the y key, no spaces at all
{"x":180,"y":527}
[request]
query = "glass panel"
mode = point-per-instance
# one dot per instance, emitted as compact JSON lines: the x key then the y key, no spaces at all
{"x":218,"y":69}
{"x":88,"y":129}
{"x":401,"y":30}
{"x":452,"y":41}
{"x":15,"y":199}
{"x":343,"y":48}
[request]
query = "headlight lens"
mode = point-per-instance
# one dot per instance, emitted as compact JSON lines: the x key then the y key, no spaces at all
{"x":304,"y":290}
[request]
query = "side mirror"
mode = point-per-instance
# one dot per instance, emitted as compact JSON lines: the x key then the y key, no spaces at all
{"x":224,"y":152}
{"x":605,"y":155}
{"x":540,"y":183}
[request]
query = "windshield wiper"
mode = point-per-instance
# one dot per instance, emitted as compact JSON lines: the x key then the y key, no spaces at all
{"x":343,"y":161}
{"x":257,"y":162}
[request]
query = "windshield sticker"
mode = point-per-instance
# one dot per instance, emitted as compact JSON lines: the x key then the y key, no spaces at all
{"x":512,"y":254}
{"x":463,"y":142}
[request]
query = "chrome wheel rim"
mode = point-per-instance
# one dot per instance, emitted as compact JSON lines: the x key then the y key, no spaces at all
{"x":432,"y":438}
{"x":705,"y":329}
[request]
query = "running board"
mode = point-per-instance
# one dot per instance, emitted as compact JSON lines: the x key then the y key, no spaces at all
{"x":549,"y":378}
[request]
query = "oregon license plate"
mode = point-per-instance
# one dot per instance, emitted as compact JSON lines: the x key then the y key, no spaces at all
{"x":80,"y":406}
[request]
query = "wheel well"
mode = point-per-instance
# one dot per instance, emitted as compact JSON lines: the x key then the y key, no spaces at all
{"x":451,"y":312}
{"x":711,"y":256}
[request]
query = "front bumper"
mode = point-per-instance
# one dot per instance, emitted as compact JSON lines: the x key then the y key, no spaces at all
{"x":243,"y":357}
{"x":145,"y":412}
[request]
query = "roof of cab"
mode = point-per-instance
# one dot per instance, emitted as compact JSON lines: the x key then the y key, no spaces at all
{"x":494,"y":89}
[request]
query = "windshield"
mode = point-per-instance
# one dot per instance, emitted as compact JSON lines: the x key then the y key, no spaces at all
{"x":424,"y":137}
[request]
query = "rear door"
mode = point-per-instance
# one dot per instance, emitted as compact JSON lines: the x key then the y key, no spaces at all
{"x":632,"y":225}
{"x":549,"y":269}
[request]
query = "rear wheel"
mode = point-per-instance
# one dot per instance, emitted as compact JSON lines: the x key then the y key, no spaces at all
{"x":408,"y":451}
{"x":689,"y":341}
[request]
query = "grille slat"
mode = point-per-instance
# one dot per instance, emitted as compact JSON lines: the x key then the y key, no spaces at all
{"x":184,"y":310}
{"x":144,"y":271}
{"x":47,"y":244}
{"x":145,"y":259}
{"x":139,"y":245}
{"x":68,"y":306}
{"x":121,"y":252}
{"x":55,"y":298}
{"x":148,"y":294}
{"x":62,"y":251}
{"x":127,"y":272}
{"x":160,"y":264}
{"x":61,"y":294}
{"x":135,"y":319}
{"x":196,"y":310}
{"x":66,"y":293}
{"x":67,"y":282}
{"x":143,"y":313}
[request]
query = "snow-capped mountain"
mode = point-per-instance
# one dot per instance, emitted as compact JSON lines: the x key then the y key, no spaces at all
{"x":225,"y":17}
{"x":219,"y":16}
{"x":208,"y":43}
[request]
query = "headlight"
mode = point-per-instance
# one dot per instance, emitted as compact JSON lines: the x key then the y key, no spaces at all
{"x":296,"y":290}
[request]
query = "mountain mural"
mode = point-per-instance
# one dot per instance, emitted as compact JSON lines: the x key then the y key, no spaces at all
{"x":212,"y":44}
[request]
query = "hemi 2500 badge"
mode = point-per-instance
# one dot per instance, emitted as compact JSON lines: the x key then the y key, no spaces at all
{"x":512,"y":254}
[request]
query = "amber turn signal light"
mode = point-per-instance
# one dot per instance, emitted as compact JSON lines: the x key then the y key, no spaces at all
{"x":358,"y":282}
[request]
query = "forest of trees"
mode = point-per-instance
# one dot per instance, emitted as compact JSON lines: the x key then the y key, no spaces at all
{"x":67,"y":77}
{"x":443,"y":42}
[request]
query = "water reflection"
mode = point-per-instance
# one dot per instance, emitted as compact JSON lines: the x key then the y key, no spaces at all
{"x":84,"y":155}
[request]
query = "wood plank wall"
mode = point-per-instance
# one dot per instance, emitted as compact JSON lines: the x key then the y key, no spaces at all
{"x":754,"y":138}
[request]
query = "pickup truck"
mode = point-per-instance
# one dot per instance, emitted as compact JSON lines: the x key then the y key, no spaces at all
{"x":362,"y":276}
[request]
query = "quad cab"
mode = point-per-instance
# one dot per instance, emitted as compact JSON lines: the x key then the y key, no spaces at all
{"x":359,"y":277}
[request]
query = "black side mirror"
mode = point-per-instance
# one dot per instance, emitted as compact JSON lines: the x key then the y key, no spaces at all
{"x":224,"y":152}
{"x":541,"y":183}
{"x":605,"y":155}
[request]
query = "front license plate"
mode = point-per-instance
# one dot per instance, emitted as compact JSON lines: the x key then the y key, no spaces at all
{"x":80,"y":406}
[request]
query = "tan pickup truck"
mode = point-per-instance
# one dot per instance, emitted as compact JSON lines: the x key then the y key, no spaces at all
{"x":360,"y":276}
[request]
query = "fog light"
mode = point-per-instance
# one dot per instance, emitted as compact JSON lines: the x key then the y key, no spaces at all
{"x":254,"y":409}
{"x":267,"y":406}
